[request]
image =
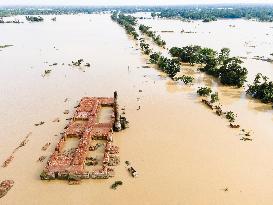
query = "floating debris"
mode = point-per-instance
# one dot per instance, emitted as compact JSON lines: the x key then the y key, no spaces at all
{"x":40,"y":123}
{"x":56,"y":120}
{"x":127,"y":163}
{"x":66,"y":112}
{"x":262,"y":58}
{"x":78,"y":62}
{"x":225,"y":189}
{"x":91,"y":161}
{"x":113,"y":160}
{"x":5,"y":186}
{"x":124,"y":122}
{"x":23,"y":143}
{"x":246,"y":139}
{"x":208,"y":103}
{"x":183,"y":31}
{"x":7,"y":161}
{"x":234,"y":126}
{"x":46,"y":72}
{"x":44,"y":148}
{"x":41,"y":159}
{"x":5,"y":46}
{"x":116,"y":184}
{"x":93,"y":148}
{"x":219,"y":110}
{"x":133,"y":172}
{"x":74,"y":182}
{"x":247,"y":134}
{"x":11,"y":157}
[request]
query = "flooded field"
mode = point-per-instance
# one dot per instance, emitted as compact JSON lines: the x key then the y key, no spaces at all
{"x":183,"y":152}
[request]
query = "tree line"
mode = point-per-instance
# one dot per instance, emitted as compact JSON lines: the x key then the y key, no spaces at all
{"x":214,"y":12}
{"x":156,"y":38}
{"x":126,"y":21}
{"x":191,"y":12}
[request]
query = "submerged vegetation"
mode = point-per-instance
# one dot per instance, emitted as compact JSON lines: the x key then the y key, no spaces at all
{"x":127,"y":21}
{"x":220,"y":65}
{"x":169,"y":66}
{"x":156,"y":38}
{"x":186,"y":79}
{"x":208,"y":13}
{"x":214,"y":97}
{"x":34,"y":18}
{"x":5,"y":46}
{"x":116,"y":184}
{"x":145,"y":47}
{"x":261,"y":89}
{"x":204,"y":91}
{"x":230,"y":116}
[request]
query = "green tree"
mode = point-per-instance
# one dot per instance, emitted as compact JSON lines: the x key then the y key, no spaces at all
{"x":232,"y":73}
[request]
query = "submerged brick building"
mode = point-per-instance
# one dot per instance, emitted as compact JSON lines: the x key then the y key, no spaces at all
{"x":71,"y":164}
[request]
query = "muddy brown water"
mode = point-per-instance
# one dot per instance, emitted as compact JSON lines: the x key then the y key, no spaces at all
{"x":184,"y":153}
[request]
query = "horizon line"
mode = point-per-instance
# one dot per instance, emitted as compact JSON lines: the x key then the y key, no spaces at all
{"x":124,"y":5}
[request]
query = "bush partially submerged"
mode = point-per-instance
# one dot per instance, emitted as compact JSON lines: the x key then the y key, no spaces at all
{"x":154,"y":57}
{"x":145,"y":47}
{"x":232,"y":73}
{"x":34,"y":18}
{"x":169,"y":66}
{"x":204,"y":91}
{"x":261,"y":89}
{"x":220,"y":65}
{"x":116,"y":184}
{"x":214,"y":97}
{"x":230,"y":116}
{"x":127,"y":21}
{"x":186,"y":79}
{"x":156,"y":38}
{"x":187,"y":54}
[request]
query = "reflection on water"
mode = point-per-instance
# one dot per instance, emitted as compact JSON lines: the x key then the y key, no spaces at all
{"x":261,"y":107}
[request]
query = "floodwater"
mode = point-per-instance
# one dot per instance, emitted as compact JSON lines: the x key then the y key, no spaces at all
{"x":183,"y":152}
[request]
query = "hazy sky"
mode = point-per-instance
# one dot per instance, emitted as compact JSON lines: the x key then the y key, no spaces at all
{"x":124,"y":2}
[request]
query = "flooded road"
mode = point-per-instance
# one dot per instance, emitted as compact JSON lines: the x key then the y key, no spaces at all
{"x":184,"y":153}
